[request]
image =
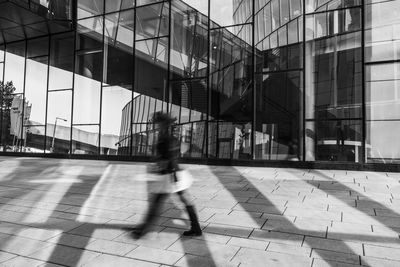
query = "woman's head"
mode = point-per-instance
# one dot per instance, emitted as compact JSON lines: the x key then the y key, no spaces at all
{"x":163,"y":120}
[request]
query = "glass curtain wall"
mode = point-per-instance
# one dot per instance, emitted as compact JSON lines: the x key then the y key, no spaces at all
{"x":333,"y":68}
{"x":382,"y":81}
{"x":290,"y":80}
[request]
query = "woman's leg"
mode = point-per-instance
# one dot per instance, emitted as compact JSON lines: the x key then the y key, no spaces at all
{"x":195,"y":229}
{"x":153,"y":211}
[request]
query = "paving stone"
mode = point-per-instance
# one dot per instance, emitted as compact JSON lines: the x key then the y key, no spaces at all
{"x":110,"y":260}
{"x":335,"y":256}
{"x":277,"y":237}
{"x":22,"y":262}
{"x":371,"y":261}
{"x":289,"y":249}
{"x":64,"y":255}
{"x":155,"y":255}
{"x":248,"y":243}
{"x":110,"y":247}
{"x":253,"y":257}
{"x":333,"y":245}
{"x":228,"y":230}
{"x":70,"y":240}
{"x":382,"y":252}
{"x":204,"y":249}
{"x":241,"y":221}
{"x":4,"y":256}
{"x":192,"y":260}
{"x":331,"y":263}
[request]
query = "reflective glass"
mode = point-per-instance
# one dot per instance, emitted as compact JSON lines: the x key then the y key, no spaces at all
{"x":34,"y":138}
{"x":86,"y":100}
{"x":152,"y":21}
{"x":229,"y":140}
{"x":35,"y":90}
{"x":228,"y":12}
{"x":85,"y":139}
{"x":199,"y":5}
{"x":119,"y":30}
{"x":38,"y":47}
{"x":59,"y":121}
{"x":116,"y":5}
{"x":189,"y":43}
{"x":151,"y":70}
{"x":334,"y":140}
{"x":2,"y":53}
{"x":15,"y":65}
{"x":278,"y":116}
{"x":89,"y":34}
{"x":61,"y":61}
{"x":90,"y":8}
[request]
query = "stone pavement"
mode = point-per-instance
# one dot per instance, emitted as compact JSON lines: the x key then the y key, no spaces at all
{"x":58,"y":212}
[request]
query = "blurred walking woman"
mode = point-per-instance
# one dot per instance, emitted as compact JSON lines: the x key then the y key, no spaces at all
{"x":167,"y":168}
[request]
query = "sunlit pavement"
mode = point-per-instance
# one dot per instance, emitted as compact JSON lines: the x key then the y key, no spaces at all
{"x":73,"y":213}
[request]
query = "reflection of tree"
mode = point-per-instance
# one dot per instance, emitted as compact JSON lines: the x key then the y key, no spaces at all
{"x":6,"y":98}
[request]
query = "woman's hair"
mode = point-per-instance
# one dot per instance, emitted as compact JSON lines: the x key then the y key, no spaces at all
{"x":163,"y":118}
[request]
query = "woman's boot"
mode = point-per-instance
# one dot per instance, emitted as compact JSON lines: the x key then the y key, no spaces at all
{"x":195,"y":229}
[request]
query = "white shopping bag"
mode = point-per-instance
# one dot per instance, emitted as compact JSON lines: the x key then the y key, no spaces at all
{"x":183,"y":180}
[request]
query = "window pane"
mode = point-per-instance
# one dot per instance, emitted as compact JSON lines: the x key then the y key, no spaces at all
{"x":61,"y":61}
{"x":34,"y":138}
{"x":152,"y":21}
{"x":38,"y":47}
{"x":334,"y":140}
{"x":118,"y":50}
{"x":85,"y":139}
{"x":90,"y":34}
{"x":59,"y":121}
{"x":35,"y":91}
{"x":116,"y":5}
{"x":189,"y":43}
{"x":86,"y":100}
{"x":90,"y":8}
{"x":278,"y":117}
{"x":228,"y":12}
{"x":15,"y":65}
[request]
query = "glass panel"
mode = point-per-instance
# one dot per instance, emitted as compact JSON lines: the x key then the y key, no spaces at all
{"x":38,"y":47}
{"x":333,"y":77}
{"x":85,"y":139}
{"x":15,"y":65}
{"x":295,"y":8}
{"x":86,"y":100}
{"x":334,"y":140}
{"x":278,"y":117}
{"x":34,"y":138}
{"x":189,"y":43}
{"x":275,"y":14}
{"x":199,"y":5}
{"x":146,"y":2}
{"x":152,"y":21}
{"x":61,"y":61}
{"x":35,"y":91}
{"x":118,"y":49}
{"x":143,"y":139}
{"x":59,"y":121}
{"x":382,"y":33}
{"x":2,"y":53}
{"x":90,"y":34}
{"x":151,"y":74}
{"x":1,"y":71}
{"x":90,"y":8}
{"x":90,"y":66}
{"x":191,"y":96}
{"x":284,"y":10}
{"x":116,"y":5}
{"x":230,"y":140}
{"x":228,"y":12}
{"x":383,"y":143}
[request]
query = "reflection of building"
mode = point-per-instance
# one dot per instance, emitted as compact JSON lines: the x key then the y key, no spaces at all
{"x":286,"y":80}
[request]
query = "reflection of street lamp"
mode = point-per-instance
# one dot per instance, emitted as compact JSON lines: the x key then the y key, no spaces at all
{"x":54,"y":132}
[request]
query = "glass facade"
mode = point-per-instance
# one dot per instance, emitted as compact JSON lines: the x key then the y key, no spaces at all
{"x":264,"y":80}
